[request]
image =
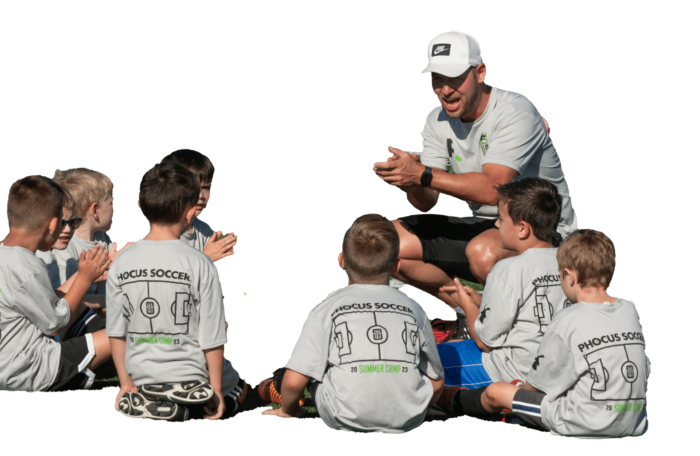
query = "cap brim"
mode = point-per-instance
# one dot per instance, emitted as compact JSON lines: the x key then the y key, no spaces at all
{"x":447,"y":69}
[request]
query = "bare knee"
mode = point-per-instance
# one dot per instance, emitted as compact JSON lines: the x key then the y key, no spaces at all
{"x":482,"y":257}
{"x":493,"y":397}
{"x":410,"y":247}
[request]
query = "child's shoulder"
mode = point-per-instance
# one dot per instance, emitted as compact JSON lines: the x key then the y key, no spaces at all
{"x":585,"y":315}
{"x":202,"y":227}
{"x":102,"y":237}
{"x":363,"y":297}
{"x":538,"y":258}
{"x":20,"y":261}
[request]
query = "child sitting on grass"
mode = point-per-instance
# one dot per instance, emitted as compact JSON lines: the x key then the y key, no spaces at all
{"x":165,"y":313}
{"x":198,"y":234}
{"x":367,"y":353}
{"x":30,"y":310}
{"x":521,"y":293}
{"x":589,"y":377}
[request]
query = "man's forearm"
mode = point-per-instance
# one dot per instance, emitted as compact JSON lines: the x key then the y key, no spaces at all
{"x":423,"y":198}
{"x":474,"y":187}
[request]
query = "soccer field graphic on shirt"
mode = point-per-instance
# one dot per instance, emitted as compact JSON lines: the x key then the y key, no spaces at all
{"x":154,"y":314}
{"x":376,"y":336}
{"x":618,"y":372}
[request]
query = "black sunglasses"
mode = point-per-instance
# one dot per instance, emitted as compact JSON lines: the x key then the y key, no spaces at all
{"x":74,"y":223}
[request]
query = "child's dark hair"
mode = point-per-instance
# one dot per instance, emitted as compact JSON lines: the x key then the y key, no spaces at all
{"x":591,"y":254}
{"x":198,"y":163}
{"x":535,"y":201}
{"x":33,"y":201}
{"x":166,"y":192}
{"x":370,"y":249}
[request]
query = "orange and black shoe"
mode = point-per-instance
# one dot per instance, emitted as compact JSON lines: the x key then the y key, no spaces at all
{"x":268,"y":392}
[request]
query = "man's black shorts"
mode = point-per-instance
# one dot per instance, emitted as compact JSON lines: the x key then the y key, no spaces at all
{"x":72,"y":372}
{"x":444,"y":240}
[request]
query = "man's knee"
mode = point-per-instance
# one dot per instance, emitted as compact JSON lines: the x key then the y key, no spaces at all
{"x":410,"y":247}
{"x":481,"y":255}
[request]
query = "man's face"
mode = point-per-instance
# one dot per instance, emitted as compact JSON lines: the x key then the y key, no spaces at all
{"x":204,"y":192}
{"x":458,"y":96}
{"x":66,"y":233}
{"x":506,"y":228}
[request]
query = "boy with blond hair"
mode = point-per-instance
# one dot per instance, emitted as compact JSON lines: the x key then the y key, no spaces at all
{"x":520,"y":297}
{"x":165,"y":313}
{"x":30,"y":310}
{"x":589,"y":377}
{"x":367,"y":353}
{"x":92,"y":192}
{"x":199,"y":234}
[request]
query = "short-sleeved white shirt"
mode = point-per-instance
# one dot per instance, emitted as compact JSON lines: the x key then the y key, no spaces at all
{"x":29,"y":311}
{"x":510,"y":133}
{"x":593,"y":367}
{"x":373,"y":349}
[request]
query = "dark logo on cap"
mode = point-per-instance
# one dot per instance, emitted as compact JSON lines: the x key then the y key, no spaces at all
{"x":441,"y":49}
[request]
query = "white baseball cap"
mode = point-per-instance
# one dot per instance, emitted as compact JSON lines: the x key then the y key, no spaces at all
{"x":452,"y":53}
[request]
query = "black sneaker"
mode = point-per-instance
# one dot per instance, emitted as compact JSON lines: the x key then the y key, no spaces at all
{"x":460,"y":330}
{"x":185,"y":393}
{"x":135,"y":405}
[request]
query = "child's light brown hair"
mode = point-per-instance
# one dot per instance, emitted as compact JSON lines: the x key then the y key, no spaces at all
{"x":86,"y":186}
{"x":591,"y":254}
{"x":33,"y":201}
{"x":370,"y":249}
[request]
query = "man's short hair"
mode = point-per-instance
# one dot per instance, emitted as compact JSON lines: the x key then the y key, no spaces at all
{"x":166,"y":192}
{"x":535,"y":201}
{"x":198,"y":163}
{"x":591,"y":254}
{"x":370,"y":249}
{"x":33,"y":201}
{"x":86,"y":186}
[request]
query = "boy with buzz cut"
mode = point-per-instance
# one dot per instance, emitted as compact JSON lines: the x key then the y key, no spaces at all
{"x":165,"y":313}
{"x":367,"y":352}
{"x":520,"y":297}
{"x":30,"y":310}
{"x":92,"y":192}
{"x":198,"y":234}
{"x":589,"y":377}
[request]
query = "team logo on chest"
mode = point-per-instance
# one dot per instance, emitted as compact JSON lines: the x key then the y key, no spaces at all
{"x":484,"y":143}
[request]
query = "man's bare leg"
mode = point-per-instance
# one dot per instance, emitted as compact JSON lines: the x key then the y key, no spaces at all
{"x":414,"y":271}
{"x":484,"y":251}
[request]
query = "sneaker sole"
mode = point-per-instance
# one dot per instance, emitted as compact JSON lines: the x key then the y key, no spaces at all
{"x":185,"y":393}
{"x":135,"y":405}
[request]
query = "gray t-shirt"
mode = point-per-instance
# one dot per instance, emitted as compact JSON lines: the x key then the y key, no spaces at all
{"x":29,"y":311}
{"x":511,"y":133}
{"x":67,"y":260}
{"x":372,"y":347}
{"x":199,"y":236}
{"x":594,"y":370}
{"x":52,"y":265}
{"x":165,"y":299}
{"x":521,"y":295}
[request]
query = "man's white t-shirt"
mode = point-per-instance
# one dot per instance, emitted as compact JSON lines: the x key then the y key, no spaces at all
{"x":510,"y":133}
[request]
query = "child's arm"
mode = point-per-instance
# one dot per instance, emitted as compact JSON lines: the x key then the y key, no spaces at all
{"x":217,"y":248}
{"x":118,"y":346}
{"x":466,"y":302}
{"x":216,"y":407}
{"x":293,"y":385}
{"x":437,"y":390}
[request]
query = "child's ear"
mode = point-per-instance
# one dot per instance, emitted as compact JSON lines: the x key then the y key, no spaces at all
{"x":341,"y":261}
{"x":189,"y":215}
{"x":524,"y":230}
{"x":396,"y":267}
{"x":139,"y":203}
{"x":571,"y":276}
{"x":92,"y":210}
{"x":53,"y":224}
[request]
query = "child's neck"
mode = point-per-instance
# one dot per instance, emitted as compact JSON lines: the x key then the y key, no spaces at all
{"x":23,"y":238}
{"x":593,"y":295}
{"x":87,"y":231}
{"x":532,"y":243}
{"x":190,"y":226}
{"x":164,"y":232}
{"x":363,"y":282}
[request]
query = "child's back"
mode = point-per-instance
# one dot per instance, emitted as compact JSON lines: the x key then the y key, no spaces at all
{"x":29,"y":310}
{"x":371,"y":347}
{"x":165,"y":298}
{"x":522,"y":294}
{"x":593,"y":368}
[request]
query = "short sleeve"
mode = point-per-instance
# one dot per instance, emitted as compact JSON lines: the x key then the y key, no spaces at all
{"x":205,"y":231}
{"x":434,"y":151}
{"x":37,"y":301}
{"x":212,"y":321}
{"x":498,"y":310}
{"x":553,"y":370}
{"x":310,"y":355}
{"x":430,"y":363}
{"x":518,"y":137}
{"x":119,"y":309}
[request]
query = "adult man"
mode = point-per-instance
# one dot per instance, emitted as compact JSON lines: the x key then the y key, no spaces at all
{"x":489,"y":137}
